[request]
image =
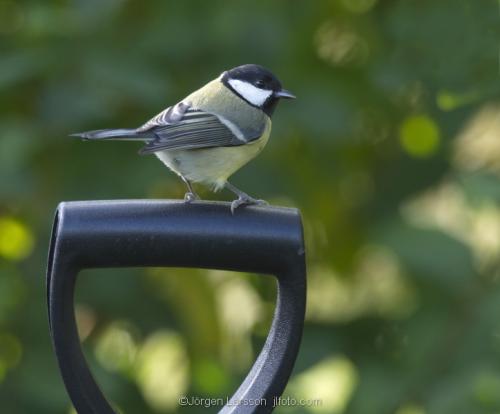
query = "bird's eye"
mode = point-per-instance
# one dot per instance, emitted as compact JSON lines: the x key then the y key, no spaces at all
{"x":260,"y":83}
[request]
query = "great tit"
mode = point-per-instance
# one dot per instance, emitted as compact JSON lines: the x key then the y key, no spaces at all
{"x":213,"y":132}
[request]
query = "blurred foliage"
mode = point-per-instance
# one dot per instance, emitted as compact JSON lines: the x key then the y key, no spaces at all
{"x":392,"y":152}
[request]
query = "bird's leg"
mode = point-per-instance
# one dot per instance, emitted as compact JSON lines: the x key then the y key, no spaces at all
{"x":243,"y":198}
{"x":191,"y":194}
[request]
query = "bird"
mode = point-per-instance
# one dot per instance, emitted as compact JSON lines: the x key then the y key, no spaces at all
{"x":213,"y":132}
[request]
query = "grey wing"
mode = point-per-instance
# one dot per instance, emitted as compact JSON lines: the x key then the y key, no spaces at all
{"x":184,"y":128}
{"x":171,"y":115}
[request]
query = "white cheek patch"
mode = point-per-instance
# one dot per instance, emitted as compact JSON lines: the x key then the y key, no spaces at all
{"x":250,"y":92}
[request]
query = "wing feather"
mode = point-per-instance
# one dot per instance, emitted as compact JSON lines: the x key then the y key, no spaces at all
{"x":180,"y":127}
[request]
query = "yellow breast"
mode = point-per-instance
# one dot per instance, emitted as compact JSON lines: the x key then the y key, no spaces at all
{"x":213,"y":166}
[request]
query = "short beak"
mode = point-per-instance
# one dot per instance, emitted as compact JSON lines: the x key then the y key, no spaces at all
{"x":284,"y":94}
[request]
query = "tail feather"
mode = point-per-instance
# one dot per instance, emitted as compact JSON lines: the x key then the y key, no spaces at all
{"x":119,"y":134}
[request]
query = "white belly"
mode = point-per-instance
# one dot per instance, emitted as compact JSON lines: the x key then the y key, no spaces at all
{"x":212,"y":166}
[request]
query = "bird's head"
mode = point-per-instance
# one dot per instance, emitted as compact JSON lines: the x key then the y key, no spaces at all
{"x":256,"y":85}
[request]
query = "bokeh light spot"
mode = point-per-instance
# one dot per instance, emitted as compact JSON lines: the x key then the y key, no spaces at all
{"x":162,"y":371}
{"x":487,"y":389}
{"x":10,"y":353}
{"x":16,"y":240}
{"x":332,"y":381}
{"x":340,"y":45}
{"x":376,"y":286}
{"x":477,"y":146}
{"x":419,"y":136}
{"x":448,"y":101}
{"x":116,"y":349}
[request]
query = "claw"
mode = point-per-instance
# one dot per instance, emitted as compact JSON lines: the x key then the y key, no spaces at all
{"x":189,"y":197}
{"x":246,"y":201}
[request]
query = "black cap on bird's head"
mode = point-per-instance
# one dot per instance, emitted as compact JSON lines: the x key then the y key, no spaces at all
{"x":256,"y":85}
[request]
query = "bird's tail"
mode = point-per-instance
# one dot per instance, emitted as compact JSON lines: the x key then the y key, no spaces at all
{"x":118,"y":134}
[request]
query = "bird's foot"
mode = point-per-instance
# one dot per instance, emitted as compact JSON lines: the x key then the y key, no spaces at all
{"x":246,"y":201}
{"x":189,"y":197}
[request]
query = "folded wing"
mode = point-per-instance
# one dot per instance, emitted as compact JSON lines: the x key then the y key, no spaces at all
{"x":180,"y":127}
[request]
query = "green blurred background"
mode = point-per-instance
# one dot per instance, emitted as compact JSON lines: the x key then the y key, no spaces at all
{"x":392,"y":152}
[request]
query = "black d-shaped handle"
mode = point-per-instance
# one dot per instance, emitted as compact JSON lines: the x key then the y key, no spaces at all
{"x":100,"y":234}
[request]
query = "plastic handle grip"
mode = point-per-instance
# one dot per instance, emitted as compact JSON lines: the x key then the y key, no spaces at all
{"x":147,"y":233}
